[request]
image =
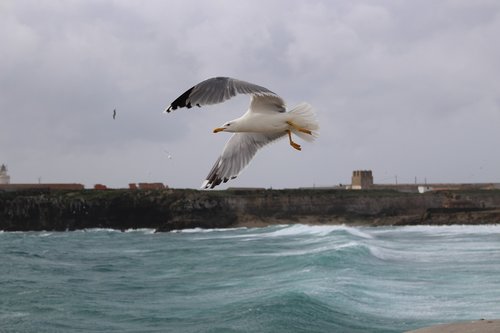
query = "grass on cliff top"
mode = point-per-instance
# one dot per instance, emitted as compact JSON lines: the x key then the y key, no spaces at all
{"x":113,"y":193}
{"x":90,"y":194}
{"x":311,"y":192}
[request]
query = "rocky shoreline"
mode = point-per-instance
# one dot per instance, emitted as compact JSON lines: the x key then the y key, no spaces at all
{"x":173,"y":209}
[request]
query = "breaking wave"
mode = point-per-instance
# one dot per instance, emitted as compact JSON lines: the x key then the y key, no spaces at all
{"x":286,"y":278}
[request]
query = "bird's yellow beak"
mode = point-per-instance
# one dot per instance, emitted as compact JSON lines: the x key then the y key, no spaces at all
{"x":218,"y":129}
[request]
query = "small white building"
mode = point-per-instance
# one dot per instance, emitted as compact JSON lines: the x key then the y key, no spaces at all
{"x":4,"y":177}
{"x":425,"y":188}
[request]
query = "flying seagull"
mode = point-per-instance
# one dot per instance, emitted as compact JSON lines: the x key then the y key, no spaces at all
{"x":114,"y":113}
{"x":265,"y":121}
{"x":169,"y":156}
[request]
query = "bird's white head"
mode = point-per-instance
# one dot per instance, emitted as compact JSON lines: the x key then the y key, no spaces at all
{"x":230,"y":126}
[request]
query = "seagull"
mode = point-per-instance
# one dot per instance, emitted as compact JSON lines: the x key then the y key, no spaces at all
{"x":169,"y":156}
{"x":266,"y":120}
{"x":114,"y":113}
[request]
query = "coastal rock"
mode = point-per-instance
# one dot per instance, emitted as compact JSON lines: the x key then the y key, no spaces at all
{"x":169,"y":209}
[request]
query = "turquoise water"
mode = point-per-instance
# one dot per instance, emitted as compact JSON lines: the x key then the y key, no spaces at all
{"x":290,"y":278}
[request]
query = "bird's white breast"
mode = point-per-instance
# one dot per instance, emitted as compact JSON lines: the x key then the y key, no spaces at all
{"x":263,"y":122}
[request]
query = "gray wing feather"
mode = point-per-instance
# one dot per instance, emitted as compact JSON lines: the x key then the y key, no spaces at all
{"x":237,"y":153}
{"x":219,"y":89}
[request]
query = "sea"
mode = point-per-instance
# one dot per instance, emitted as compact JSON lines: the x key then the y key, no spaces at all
{"x":283,"y":278}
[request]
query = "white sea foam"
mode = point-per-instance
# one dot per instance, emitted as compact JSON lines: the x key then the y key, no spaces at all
{"x":13,"y":315}
{"x":100,"y":230}
{"x":358,"y":232}
{"x":384,"y":254}
{"x":201,"y":230}
{"x":444,"y":229}
{"x":319,"y":230}
{"x":146,"y":231}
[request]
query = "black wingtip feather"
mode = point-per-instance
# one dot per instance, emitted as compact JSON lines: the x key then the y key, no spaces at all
{"x":181,"y":101}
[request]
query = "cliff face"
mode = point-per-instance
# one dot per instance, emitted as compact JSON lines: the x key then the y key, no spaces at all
{"x":166,"y":210}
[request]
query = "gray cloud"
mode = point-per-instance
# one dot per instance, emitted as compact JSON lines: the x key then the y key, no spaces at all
{"x":402,"y":88}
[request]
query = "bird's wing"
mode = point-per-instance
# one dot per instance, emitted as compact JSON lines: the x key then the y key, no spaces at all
{"x":237,"y":153}
{"x":267,"y":104}
{"x":219,"y":89}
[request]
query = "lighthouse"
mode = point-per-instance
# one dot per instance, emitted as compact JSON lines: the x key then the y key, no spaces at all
{"x":4,"y":177}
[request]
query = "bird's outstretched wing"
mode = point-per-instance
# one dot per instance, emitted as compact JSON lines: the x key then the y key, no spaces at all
{"x":237,"y":153}
{"x":219,"y":89}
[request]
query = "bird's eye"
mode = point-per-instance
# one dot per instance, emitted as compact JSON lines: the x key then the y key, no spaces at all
{"x":228,"y":124}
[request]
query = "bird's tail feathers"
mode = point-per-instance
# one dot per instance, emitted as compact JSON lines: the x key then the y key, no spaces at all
{"x":303,"y":116}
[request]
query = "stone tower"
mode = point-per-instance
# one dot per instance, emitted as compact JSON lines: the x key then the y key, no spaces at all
{"x":361,"y":179}
{"x":4,"y":177}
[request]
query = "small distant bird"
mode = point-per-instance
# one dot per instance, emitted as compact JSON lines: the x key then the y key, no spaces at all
{"x":168,"y":154}
{"x":114,"y":113}
{"x":265,"y":121}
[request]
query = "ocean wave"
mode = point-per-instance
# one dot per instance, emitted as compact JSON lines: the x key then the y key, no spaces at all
{"x":146,"y":231}
{"x":283,"y":230}
{"x":385,"y":254}
{"x":99,"y":230}
{"x":319,"y":230}
{"x":325,"y":279}
{"x":202,"y":230}
{"x":13,"y":315}
{"x":456,"y":229}
{"x":302,"y":311}
{"x":316,"y":250}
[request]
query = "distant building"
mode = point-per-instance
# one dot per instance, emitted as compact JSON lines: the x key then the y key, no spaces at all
{"x":151,"y":186}
{"x":6,"y":185}
{"x":42,"y":186}
{"x":4,"y":177}
{"x":361,"y":179}
{"x":425,"y":188}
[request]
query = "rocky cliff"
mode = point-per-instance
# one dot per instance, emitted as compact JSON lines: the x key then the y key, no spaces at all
{"x":165,"y":210}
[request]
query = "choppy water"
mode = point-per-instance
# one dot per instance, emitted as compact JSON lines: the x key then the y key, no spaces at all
{"x":292,"y":278}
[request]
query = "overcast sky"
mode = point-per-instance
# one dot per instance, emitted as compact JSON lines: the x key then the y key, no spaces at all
{"x":404,"y":88}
